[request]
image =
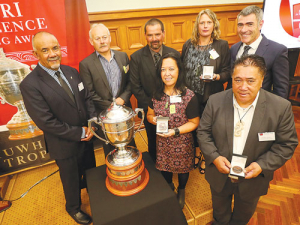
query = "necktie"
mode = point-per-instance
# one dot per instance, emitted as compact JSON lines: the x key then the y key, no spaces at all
{"x":65,"y":86}
{"x":157,"y":58}
{"x":246,"y":49}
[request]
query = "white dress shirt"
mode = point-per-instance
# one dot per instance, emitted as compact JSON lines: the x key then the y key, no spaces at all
{"x":246,"y":114}
{"x":252,"y":50}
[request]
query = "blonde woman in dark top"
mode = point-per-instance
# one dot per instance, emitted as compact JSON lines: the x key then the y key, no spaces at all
{"x":205,"y":48}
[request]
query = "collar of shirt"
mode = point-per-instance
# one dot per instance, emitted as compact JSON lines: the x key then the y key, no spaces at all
{"x":254,"y":47}
{"x":51,"y":72}
{"x":111,"y":53}
{"x":246,"y":116}
{"x":153,"y":52}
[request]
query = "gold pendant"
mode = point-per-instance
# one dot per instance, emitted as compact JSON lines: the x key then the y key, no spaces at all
{"x":238,"y":128}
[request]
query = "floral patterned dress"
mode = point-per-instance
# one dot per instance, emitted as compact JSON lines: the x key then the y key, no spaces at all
{"x":174,"y":154}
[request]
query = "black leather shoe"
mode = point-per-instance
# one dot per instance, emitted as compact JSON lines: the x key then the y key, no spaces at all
{"x":81,"y":217}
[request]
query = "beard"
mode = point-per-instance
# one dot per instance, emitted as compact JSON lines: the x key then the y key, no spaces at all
{"x":56,"y":65}
{"x":155,"y":45}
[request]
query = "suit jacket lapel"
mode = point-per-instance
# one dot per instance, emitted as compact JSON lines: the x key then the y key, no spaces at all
{"x":102,"y":74}
{"x":148,"y":60}
{"x":257,"y":120}
{"x":51,"y":83}
{"x":235,"y":51}
{"x":229,"y":120}
{"x":262,"y":47}
{"x":73,"y":84}
{"x":122,"y":71}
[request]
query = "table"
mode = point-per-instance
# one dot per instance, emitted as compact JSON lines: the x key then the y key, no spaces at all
{"x":156,"y":204}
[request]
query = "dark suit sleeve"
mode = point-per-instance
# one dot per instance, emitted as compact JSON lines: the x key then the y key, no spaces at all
{"x":205,"y":136}
{"x":87,"y":78}
{"x":135,"y":80}
{"x":42,"y":115}
{"x":225,"y":62}
{"x":126,"y":94}
{"x":284,"y":145}
{"x":280,"y":73}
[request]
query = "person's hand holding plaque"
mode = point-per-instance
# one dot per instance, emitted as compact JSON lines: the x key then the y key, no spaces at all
{"x":162,"y":124}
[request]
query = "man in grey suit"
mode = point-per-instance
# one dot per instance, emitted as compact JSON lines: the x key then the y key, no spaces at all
{"x":60,"y":105}
{"x":250,"y":22}
{"x":143,"y":71}
{"x":106,"y":74}
{"x":247,"y":124}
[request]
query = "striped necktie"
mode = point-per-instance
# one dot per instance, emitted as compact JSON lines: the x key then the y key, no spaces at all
{"x":246,"y":49}
{"x":65,"y":86}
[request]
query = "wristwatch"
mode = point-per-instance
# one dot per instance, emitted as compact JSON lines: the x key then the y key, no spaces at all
{"x":177,"y":132}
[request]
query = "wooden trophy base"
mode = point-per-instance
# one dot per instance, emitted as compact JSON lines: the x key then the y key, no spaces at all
{"x":26,"y":130}
{"x":127,"y":180}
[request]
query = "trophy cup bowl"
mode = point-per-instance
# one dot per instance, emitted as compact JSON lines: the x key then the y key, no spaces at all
{"x":12,"y":73}
{"x":126,"y":172}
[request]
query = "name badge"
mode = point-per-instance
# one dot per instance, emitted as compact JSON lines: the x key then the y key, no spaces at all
{"x":175,"y":99}
{"x":80,"y":86}
{"x":172,"y":109}
{"x":213,"y":54}
{"x":267,"y":136}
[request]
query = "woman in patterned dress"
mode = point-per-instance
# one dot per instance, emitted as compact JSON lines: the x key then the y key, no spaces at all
{"x":174,"y":149}
{"x":205,"y":48}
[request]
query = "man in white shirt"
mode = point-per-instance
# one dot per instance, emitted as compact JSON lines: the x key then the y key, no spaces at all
{"x":250,"y":22}
{"x":244,"y":124}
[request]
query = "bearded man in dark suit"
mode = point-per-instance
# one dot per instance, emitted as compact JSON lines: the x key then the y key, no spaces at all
{"x":244,"y":124}
{"x":250,"y":22}
{"x":106,"y":74}
{"x":143,"y":71}
{"x":60,"y":105}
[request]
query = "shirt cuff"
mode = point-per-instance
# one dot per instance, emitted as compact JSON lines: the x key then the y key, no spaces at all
{"x":83,"y":133}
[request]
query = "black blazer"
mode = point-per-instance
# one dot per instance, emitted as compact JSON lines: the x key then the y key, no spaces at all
{"x":143,"y":74}
{"x":95,"y":79}
{"x":55,"y":113}
{"x":221,"y":66}
{"x":276,"y":58}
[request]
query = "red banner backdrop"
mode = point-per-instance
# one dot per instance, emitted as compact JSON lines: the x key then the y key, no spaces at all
{"x":19,"y":21}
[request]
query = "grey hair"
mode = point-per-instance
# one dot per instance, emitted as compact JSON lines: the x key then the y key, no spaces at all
{"x":96,"y":25}
{"x":252,"y":9}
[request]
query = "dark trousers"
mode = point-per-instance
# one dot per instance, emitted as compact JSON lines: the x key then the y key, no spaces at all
{"x":72,"y":175}
{"x":151,"y":135}
{"x":242,"y":211}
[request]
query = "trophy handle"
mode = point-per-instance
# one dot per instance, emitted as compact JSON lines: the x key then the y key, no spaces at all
{"x":90,"y":126}
{"x":137,"y":110}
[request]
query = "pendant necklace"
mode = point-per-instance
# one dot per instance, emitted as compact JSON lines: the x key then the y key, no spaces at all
{"x":239,"y":127}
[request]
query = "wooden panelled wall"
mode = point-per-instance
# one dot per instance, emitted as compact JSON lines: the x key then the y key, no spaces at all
{"x":127,"y":26}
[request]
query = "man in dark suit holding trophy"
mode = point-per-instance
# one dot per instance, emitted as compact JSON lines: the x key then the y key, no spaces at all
{"x":60,"y":105}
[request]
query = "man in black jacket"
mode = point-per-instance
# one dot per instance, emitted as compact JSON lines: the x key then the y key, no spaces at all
{"x":60,"y":105}
{"x":143,"y":71}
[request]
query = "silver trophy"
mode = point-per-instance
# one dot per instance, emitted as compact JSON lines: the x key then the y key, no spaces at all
{"x":126,"y":172}
{"x":12,"y":73}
